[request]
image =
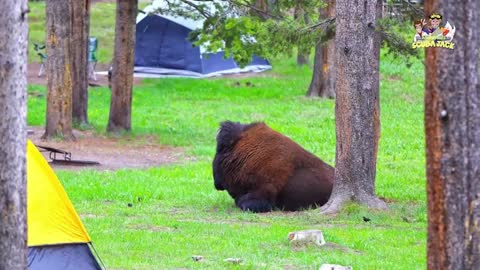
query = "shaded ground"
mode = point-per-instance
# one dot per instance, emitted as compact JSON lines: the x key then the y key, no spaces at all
{"x":102,"y":80}
{"x":112,"y":153}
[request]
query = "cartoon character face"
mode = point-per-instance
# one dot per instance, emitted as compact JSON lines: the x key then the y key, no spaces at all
{"x":418,"y":27}
{"x":435,"y":22}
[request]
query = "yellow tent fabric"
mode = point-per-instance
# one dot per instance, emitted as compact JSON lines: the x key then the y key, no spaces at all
{"x":50,"y":214}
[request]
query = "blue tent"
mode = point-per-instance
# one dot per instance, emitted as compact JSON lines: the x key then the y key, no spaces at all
{"x":162,"y":48}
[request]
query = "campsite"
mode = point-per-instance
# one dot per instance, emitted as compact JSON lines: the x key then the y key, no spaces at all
{"x":56,"y":233}
{"x":138,"y":176}
{"x":176,"y":212}
{"x":162,"y":47}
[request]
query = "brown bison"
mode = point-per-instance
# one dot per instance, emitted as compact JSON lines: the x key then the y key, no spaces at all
{"x":264,"y":170}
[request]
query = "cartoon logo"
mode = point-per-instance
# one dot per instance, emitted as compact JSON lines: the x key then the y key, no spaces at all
{"x":433,"y":35}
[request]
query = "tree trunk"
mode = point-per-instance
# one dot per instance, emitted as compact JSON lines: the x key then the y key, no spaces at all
{"x":59,"y":70}
{"x":317,"y":76}
{"x":357,"y":104}
{"x":79,"y":49}
{"x":328,"y":61}
{"x":13,"y":111}
{"x":303,"y":53}
{"x":122,"y":73}
{"x":273,"y":7}
{"x":452,"y":126}
{"x":260,"y":9}
{"x":323,"y":78}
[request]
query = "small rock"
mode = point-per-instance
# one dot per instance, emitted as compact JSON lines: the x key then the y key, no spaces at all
{"x":334,"y":267}
{"x":233,"y":260}
{"x":307,"y":236}
{"x":197,"y":258}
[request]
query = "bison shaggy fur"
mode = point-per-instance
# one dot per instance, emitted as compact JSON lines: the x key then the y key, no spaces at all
{"x":263,"y":170}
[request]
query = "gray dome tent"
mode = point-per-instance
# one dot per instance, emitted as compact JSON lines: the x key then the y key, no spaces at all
{"x":162,"y":49}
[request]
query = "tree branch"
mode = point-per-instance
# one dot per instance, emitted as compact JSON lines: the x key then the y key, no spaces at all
{"x":242,"y":4}
{"x":315,"y":25}
{"x":201,"y":10}
{"x":414,"y":8}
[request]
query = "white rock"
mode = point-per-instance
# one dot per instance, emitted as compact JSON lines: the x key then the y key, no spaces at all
{"x":334,"y":267}
{"x":233,"y":260}
{"x":307,"y":236}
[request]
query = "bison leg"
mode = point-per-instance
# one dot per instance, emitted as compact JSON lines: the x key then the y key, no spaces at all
{"x":258,"y":201}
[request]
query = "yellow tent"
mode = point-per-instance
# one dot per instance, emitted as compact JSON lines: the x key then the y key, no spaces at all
{"x":57,"y":238}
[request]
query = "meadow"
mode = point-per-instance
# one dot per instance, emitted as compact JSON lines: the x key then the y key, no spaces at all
{"x":176,"y":211}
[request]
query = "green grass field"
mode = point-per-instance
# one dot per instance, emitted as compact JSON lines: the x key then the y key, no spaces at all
{"x":177,"y":213}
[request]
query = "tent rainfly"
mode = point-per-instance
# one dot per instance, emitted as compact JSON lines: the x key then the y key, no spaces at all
{"x":162,"y":49}
{"x":57,"y":239}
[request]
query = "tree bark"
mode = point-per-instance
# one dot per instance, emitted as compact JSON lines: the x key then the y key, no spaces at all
{"x":356,"y":105}
{"x":260,"y":9}
{"x":323,"y":78}
{"x":79,"y":48}
{"x":317,"y":77}
{"x":59,"y":70}
{"x":328,"y":61}
{"x":122,"y":73}
{"x":13,"y":111}
{"x":452,"y":127}
{"x":303,"y":53}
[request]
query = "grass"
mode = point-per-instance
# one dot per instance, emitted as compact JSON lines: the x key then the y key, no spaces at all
{"x":176,"y":212}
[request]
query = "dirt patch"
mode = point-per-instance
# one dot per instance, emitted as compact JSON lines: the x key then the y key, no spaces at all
{"x":102,"y":80}
{"x":243,"y":75}
{"x":111,"y":153}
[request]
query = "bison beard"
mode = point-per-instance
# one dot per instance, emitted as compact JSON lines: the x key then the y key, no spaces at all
{"x":262,"y":169}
